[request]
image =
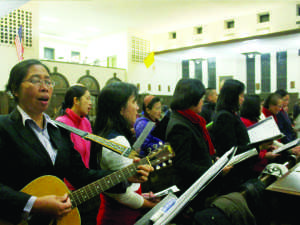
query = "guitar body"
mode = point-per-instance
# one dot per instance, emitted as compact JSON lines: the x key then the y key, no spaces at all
{"x":48,"y":185}
{"x":51,"y":185}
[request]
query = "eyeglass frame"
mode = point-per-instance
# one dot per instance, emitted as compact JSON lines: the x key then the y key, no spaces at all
{"x":40,"y":82}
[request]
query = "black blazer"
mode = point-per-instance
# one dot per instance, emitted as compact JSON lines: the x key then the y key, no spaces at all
{"x":227,"y":131}
{"x":192,"y":157}
{"x":23,"y":159}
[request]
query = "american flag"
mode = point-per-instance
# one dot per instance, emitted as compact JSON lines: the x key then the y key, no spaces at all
{"x":19,"y":44}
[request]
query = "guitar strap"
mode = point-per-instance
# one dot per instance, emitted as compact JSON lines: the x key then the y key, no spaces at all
{"x":116,"y":147}
{"x":138,"y":143}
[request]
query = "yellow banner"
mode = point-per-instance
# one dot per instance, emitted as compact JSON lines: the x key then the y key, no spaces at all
{"x":149,"y":60}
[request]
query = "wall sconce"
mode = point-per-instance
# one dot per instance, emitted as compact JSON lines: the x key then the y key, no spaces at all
{"x":257,"y":86}
{"x":292,"y":84}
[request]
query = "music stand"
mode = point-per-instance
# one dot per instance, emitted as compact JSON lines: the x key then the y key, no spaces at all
{"x":190,"y":193}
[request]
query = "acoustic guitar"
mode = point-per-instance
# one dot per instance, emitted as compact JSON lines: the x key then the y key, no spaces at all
{"x":51,"y":185}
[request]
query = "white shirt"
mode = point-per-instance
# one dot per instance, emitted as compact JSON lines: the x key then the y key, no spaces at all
{"x":114,"y":161}
{"x":43,"y":136}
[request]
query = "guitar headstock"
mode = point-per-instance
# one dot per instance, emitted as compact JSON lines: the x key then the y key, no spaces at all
{"x":161,"y":154}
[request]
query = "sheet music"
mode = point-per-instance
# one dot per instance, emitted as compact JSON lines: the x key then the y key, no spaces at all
{"x":266,"y":129}
{"x":172,"y":189}
{"x":202,"y":182}
{"x":243,"y":156}
{"x":287,"y":146}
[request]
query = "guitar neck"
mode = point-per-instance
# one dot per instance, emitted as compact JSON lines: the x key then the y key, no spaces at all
{"x":121,"y":149}
{"x":88,"y":192}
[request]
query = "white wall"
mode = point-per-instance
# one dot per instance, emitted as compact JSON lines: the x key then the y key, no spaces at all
{"x":159,"y":73}
{"x":115,"y":44}
{"x":282,"y":17}
{"x":293,"y":70}
{"x":230,"y":65}
{"x":168,"y":71}
{"x":230,"y":61}
{"x":63,"y":47}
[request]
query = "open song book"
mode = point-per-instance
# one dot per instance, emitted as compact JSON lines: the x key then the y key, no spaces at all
{"x":264,"y":131}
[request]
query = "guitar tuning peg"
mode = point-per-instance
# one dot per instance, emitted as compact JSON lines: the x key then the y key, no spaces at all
{"x":164,"y":164}
{"x":157,"y":167}
{"x":170,"y":161}
{"x":160,"y":143}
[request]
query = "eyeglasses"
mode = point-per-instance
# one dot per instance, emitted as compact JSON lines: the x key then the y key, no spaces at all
{"x":38,"y":82}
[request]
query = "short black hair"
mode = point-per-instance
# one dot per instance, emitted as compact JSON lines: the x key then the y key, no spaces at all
{"x":188,"y":92}
{"x":228,"y":98}
{"x":19,"y":72}
{"x":272,"y":99}
{"x":281,"y":92}
{"x":251,"y":107}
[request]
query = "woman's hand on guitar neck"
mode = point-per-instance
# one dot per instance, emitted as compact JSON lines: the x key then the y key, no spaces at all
{"x":52,"y":205}
{"x":142,"y":173}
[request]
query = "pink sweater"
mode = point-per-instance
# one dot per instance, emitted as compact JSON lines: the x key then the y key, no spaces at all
{"x":82,"y":123}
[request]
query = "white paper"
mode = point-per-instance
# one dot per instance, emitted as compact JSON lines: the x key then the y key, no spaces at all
{"x":287,"y":146}
{"x":263,"y":130}
{"x":243,"y":156}
{"x":173,"y":188}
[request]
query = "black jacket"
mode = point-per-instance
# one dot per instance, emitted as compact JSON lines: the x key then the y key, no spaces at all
{"x":192,"y":157}
{"x":24,"y":158}
{"x":227,"y":131}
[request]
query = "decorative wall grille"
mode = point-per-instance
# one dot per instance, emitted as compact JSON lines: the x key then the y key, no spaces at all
{"x":10,"y":24}
{"x":140,"y":49}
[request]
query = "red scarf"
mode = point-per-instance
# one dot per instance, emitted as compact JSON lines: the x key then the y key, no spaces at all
{"x":200,"y":121}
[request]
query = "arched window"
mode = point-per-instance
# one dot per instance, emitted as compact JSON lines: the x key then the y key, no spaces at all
{"x":113,"y":79}
{"x":60,"y":88}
